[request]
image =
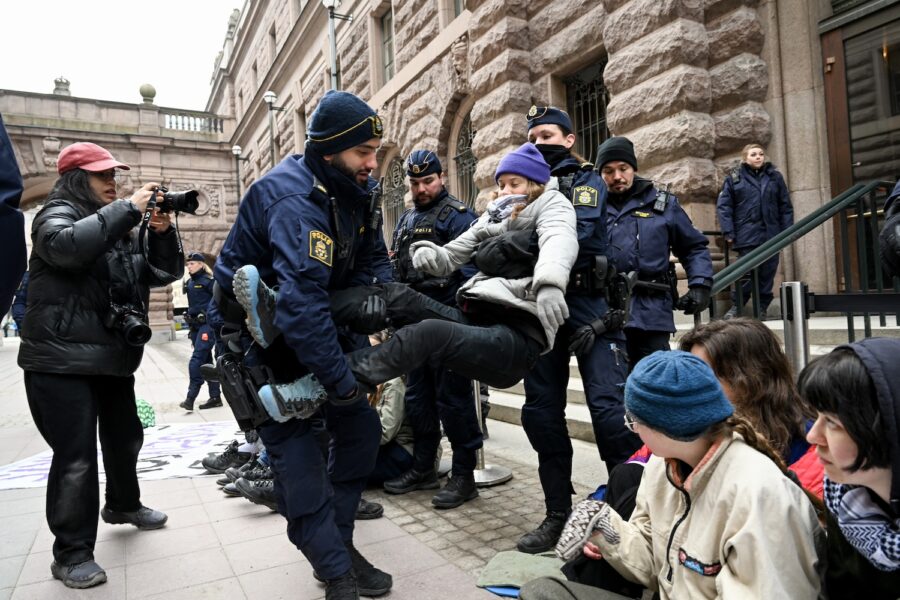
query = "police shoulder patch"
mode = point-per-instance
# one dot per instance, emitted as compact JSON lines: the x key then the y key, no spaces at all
{"x":321,"y":247}
{"x":585,"y":195}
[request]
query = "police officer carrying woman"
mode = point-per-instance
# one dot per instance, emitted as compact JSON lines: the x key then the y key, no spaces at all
{"x":600,"y":352}
{"x":199,"y":290}
{"x":85,"y":326}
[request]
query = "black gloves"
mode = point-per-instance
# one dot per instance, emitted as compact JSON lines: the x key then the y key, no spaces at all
{"x":584,"y":338}
{"x":695,"y":301}
{"x":372,"y":316}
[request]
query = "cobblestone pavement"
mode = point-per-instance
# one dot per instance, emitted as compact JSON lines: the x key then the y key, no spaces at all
{"x":220,"y":547}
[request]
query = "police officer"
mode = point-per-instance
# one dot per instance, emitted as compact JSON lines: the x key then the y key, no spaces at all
{"x":309,"y":227}
{"x":601,"y":361}
{"x":199,"y":290}
{"x":646,"y":224}
{"x":435,"y":395}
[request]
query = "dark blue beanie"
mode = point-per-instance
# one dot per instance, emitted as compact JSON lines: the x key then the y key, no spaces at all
{"x":677,"y":394}
{"x":548,"y":115}
{"x":340,"y":122}
{"x":525,"y":161}
{"x":617,"y":148}
{"x":420,"y":163}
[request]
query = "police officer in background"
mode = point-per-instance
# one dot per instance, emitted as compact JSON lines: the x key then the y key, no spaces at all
{"x":646,"y":224}
{"x":310,"y":228}
{"x":199,"y":291}
{"x":601,"y":355}
{"x":435,"y":395}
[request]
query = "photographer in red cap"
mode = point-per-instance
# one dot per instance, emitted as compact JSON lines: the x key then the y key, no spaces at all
{"x":85,"y":327}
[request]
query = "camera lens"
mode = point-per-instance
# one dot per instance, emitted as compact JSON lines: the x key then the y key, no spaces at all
{"x":137,"y":333}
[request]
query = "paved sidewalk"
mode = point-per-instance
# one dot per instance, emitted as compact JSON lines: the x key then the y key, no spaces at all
{"x":220,"y":547}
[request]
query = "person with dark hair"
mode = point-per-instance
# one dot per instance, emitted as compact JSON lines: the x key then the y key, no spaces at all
{"x":715,"y":515}
{"x":646,"y":226}
{"x":753,"y":207}
{"x":856,"y":391}
{"x":310,"y":227}
{"x":599,"y":345}
{"x":12,"y":222}
{"x":199,"y":291}
{"x":436,"y":397}
{"x":85,"y":327}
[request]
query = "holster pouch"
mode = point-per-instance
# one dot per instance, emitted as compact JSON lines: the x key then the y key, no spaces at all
{"x":239,"y":385}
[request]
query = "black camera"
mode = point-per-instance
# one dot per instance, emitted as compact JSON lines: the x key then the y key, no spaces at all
{"x":132,"y":323}
{"x":178,"y":201}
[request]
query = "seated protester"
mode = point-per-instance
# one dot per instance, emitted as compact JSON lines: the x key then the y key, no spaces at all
{"x":856,"y":391}
{"x":502,"y":324}
{"x":715,"y":516}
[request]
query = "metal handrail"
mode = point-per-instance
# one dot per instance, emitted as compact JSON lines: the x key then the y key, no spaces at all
{"x":753,"y":259}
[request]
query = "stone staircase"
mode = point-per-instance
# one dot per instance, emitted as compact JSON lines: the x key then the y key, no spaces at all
{"x":824,"y":334}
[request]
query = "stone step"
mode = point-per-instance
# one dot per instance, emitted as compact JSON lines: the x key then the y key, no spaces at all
{"x":507,"y":407}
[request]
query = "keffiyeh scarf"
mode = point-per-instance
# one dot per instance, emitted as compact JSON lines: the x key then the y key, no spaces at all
{"x":865,"y":524}
{"x":503,"y":206}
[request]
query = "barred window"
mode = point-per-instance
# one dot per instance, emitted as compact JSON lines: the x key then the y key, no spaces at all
{"x":466,"y":190}
{"x":387,"y":45}
{"x":587,"y":99}
{"x":392,"y":198}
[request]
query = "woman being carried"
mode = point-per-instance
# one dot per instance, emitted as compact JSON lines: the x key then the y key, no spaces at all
{"x":503,"y":324}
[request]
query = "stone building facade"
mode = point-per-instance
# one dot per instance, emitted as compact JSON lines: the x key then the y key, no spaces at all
{"x":689,"y":81}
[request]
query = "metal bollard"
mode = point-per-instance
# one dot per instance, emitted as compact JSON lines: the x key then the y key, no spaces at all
{"x":486,"y":475}
{"x":796,"y":327}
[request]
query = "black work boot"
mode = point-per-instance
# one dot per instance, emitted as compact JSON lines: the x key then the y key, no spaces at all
{"x":412,"y":480}
{"x":188,"y":404}
{"x":369,"y":580}
{"x":459,"y":489}
{"x":213,"y":402}
{"x":261,"y":491}
{"x":342,"y":588}
{"x":546,"y":535}
{"x":219,"y":463}
{"x":368,"y":510}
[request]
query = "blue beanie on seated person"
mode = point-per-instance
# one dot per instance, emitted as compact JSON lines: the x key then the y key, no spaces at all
{"x":677,"y":394}
{"x":341,"y":121}
{"x":525,"y":161}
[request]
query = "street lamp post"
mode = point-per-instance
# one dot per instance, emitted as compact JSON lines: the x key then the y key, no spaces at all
{"x":236,"y":150}
{"x":332,"y":6}
{"x":270,"y":98}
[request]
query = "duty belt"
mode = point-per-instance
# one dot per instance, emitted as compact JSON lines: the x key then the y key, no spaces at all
{"x":586,"y":281}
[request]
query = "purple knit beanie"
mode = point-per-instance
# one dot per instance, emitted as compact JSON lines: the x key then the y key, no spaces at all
{"x":525,"y":161}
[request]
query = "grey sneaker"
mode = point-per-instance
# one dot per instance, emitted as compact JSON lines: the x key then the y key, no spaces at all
{"x":300,"y":398}
{"x":258,"y":300}
{"x":81,"y":575}
{"x":142,"y":518}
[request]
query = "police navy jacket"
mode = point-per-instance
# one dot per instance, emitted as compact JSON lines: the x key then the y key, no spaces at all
{"x":199,"y":290}
{"x":588,"y":194}
{"x":756,"y":208}
{"x":641,"y":239}
{"x":12,"y":222}
{"x":285,"y":228}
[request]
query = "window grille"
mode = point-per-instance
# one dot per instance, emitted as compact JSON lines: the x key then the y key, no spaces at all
{"x":587,"y":100}
{"x":392,"y":198}
{"x":466,"y":190}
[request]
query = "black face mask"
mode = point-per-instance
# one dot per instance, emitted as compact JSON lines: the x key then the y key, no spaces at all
{"x":553,"y":153}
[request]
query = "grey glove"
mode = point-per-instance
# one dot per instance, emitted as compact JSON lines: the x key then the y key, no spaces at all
{"x":551,"y":307}
{"x":425,"y":257}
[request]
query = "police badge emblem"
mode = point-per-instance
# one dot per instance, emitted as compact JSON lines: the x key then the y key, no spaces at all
{"x":321,"y":247}
{"x":584,"y":195}
{"x":377,"y":126}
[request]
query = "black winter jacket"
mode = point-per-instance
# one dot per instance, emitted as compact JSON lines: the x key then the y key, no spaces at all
{"x":82,"y":259}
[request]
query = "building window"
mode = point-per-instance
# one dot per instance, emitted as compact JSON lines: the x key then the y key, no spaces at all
{"x":387,"y":45}
{"x":466,"y":190}
{"x":458,"y":7}
{"x":254,"y":76}
{"x":587,"y":99}
{"x":392,"y":198}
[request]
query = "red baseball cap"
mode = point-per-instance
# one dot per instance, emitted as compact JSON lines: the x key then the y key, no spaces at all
{"x":87,"y":156}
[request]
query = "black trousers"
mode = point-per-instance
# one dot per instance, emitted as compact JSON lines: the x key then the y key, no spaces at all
{"x":640,"y":343}
{"x":67,"y":410}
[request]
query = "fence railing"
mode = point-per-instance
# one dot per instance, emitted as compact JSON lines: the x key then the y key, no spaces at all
{"x":192,"y":121}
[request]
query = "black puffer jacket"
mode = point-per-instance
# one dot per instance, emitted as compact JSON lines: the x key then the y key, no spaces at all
{"x":84,"y":257}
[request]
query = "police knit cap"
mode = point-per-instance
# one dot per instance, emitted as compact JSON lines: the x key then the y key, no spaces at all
{"x":617,"y":148}
{"x":340,"y":122}
{"x":420,"y":163}
{"x":677,"y":394}
{"x":548,"y":115}
{"x":525,"y":161}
